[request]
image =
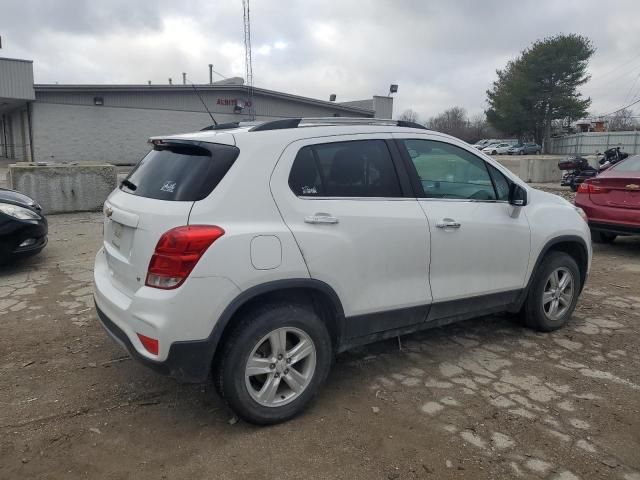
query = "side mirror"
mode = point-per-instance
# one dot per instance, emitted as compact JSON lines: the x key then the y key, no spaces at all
{"x":517,"y":195}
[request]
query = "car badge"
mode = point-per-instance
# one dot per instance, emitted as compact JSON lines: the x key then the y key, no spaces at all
{"x":108,"y":211}
{"x":633,"y":186}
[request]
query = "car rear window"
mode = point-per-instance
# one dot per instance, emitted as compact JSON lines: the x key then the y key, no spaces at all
{"x":180,"y":172}
{"x":631,"y":164}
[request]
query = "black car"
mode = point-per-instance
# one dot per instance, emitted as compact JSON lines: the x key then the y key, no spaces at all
{"x":23,"y":227}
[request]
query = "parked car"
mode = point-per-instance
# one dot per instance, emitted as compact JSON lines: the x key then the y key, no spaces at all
{"x":611,"y":201}
{"x":23,"y":227}
{"x":256,"y":253}
{"x":497,"y":148}
{"x":525,"y":149}
{"x":480,"y":144}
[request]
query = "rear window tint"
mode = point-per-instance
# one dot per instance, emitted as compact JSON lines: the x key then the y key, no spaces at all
{"x":361,"y":168}
{"x":632,"y":164}
{"x":180,"y":172}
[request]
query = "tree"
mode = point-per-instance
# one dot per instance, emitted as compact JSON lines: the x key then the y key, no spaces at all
{"x":409,"y":116}
{"x":452,"y":121}
{"x":622,"y":121}
{"x":540,"y":86}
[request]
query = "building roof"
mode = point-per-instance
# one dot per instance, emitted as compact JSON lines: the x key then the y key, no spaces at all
{"x":163,"y":88}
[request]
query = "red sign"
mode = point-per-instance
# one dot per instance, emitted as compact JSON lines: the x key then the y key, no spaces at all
{"x":233,"y":102}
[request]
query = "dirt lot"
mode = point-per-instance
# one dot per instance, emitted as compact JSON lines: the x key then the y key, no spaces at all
{"x":482,"y":399}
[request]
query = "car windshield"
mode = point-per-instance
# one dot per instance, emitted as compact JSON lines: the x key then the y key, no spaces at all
{"x":631,"y":164}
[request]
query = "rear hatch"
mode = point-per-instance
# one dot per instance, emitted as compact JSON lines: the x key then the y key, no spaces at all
{"x":619,"y":186}
{"x":157,"y":196}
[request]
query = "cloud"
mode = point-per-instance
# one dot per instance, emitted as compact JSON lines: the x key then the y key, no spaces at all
{"x":440,"y":53}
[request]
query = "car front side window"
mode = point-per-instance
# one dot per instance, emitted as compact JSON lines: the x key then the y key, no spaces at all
{"x":449,"y":172}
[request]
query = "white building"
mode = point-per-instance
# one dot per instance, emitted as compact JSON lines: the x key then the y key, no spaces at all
{"x":111,"y":123}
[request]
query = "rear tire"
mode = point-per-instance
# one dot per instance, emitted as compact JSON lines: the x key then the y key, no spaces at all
{"x":550,"y":303}
{"x":602,"y":237}
{"x":269,"y":335}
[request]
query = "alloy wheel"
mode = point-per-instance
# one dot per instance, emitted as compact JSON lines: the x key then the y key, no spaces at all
{"x":280,"y":367}
{"x":558,"y":294}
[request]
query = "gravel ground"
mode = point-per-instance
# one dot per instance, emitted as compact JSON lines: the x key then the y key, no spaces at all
{"x":484,"y":399}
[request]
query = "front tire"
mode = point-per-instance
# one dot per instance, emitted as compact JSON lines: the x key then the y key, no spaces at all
{"x":553,"y":293}
{"x":273,"y":362}
{"x":521,"y":152}
{"x":494,"y":153}
{"x":602,"y":237}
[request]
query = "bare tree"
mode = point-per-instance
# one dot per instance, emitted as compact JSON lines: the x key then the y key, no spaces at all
{"x":453,"y":121}
{"x":623,"y":121}
{"x":409,"y":116}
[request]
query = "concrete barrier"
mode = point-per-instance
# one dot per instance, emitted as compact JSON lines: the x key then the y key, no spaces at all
{"x":534,"y":168}
{"x":512,"y":163}
{"x":540,"y":170}
{"x":63,"y":188}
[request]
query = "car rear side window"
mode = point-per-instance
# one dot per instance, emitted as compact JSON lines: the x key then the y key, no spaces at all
{"x":361,"y":168}
{"x":180,"y":172}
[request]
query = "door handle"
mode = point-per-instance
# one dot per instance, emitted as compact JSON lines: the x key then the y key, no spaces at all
{"x":321,"y":218}
{"x":448,"y":223}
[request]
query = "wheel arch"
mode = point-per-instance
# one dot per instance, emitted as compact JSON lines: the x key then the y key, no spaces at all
{"x":572,"y":245}
{"x":321,"y":296}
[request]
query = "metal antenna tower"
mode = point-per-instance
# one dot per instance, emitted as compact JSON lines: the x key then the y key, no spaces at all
{"x":248,"y":64}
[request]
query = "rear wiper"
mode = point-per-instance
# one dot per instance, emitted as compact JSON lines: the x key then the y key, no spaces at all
{"x":130,"y":185}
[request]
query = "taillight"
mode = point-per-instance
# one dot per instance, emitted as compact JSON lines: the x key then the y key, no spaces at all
{"x":178,"y":252}
{"x":590,"y":188}
{"x":150,"y":344}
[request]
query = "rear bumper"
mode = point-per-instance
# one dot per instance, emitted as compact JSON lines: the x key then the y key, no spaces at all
{"x":188,"y":361}
{"x":623,"y":221}
{"x":619,"y":229}
{"x":182,"y":320}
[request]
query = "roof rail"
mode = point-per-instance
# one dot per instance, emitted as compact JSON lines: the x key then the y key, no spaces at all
{"x":221,"y":126}
{"x":277,"y":124}
{"x":229,"y":125}
{"x":322,"y":121}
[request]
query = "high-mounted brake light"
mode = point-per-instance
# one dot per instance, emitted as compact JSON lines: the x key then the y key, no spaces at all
{"x":177,"y":253}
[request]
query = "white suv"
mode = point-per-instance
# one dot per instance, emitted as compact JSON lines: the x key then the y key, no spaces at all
{"x":255,"y":253}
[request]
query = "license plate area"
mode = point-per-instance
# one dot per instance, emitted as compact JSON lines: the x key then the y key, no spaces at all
{"x":120,"y":237}
{"x":116,"y":234}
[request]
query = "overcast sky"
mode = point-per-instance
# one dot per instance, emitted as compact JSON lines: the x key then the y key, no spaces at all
{"x":441,"y":53}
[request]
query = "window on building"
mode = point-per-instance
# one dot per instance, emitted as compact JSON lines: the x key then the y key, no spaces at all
{"x":362,"y":168}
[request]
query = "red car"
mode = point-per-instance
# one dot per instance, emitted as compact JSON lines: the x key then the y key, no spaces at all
{"x":612,"y":201}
